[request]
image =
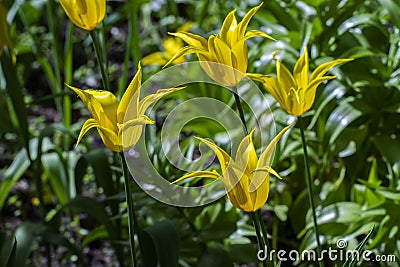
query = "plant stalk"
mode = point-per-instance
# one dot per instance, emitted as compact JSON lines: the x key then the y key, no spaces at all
{"x":99,"y":56}
{"x":260,"y":240}
{"x":137,"y":52}
{"x":240,"y":109}
{"x":68,"y":58}
{"x":309,"y":190}
{"x":132,"y":221}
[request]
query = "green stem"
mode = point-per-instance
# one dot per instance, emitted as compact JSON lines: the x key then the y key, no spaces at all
{"x":132,"y":221}
{"x":99,"y":56}
{"x":137,"y":52}
{"x":309,"y":189}
{"x":263,"y":232}
{"x":240,"y":108}
{"x":128,"y":48}
{"x":261,"y":243}
{"x":103,"y":42}
{"x":68,"y":56}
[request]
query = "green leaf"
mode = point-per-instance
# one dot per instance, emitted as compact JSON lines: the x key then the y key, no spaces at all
{"x":95,"y":210}
{"x":13,"y":173}
{"x":215,"y":256}
{"x":339,"y":119}
{"x":389,"y":147}
{"x":352,"y":262}
{"x":55,"y":171}
{"x":19,"y":245}
{"x":97,"y":233}
{"x":243,"y":253}
{"x":393,"y":10}
{"x":103,"y":174}
{"x":14,"y":90}
{"x":216,"y":222}
{"x":160,"y":241}
{"x":11,"y":258}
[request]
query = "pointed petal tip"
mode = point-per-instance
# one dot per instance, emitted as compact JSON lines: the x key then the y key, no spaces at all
{"x":274,"y":54}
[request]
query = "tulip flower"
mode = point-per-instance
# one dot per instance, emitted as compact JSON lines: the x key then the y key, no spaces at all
{"x":228,"y":48}
{"x":247,"y":177}
{"x":108,"y":114}
{"x":85,"y":14}
{"x":4,"y":33}
{"x":172,"y":45}
{"x":296,"y":93}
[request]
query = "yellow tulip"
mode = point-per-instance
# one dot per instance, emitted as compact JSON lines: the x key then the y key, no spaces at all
{"x":296,"y":93}
{"x":247,"y":177}
{"x":4,"y":33}
{"x":108,"y":114}
{"x":228,"y":48}
{"x":172,"y":45}
{"x":85,"y":14}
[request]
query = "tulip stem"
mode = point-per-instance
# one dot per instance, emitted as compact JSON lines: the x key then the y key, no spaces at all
{"x":132,"y":221}
{"x":263,"y":231}
{"x":68,"y":58}
{"x":309,"y":190}
{"x":261,"y":242}
{"x":99,"y":56}
{"x":240,"y":109}
{"x":137,"y":52}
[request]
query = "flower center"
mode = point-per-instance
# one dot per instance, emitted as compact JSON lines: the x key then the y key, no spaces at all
{"x":295,"y":92}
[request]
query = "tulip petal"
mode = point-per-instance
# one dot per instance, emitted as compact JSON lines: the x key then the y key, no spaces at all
{"x":265,"y":157}
{"x":228,"y":29}
{"x":72,"y":13}
{"x":269,"y":170}
{"x":259,"y":195}
{"x":203,"y":174}
{"x":255,"y":33}
{"x":132,"y":94}
{"x":285,"y":78}
{"x":85,"y":14}
{"x":237,"y":187}
{"x":242,"y":26}
{"x":132,"y":130}
{"x":101,"y":10}
{"x":109,"y":137}
{"x":300,"y":71}
{"x":309,"y":93}
{"x":150,"y":99}
{"x":246,"y":157}
{"x":259,"y":184}
{"x":192,"y":39}
{"x":185,"y":51}
{"x":172,"y":45}
{"x":157,"y":58}
{"x":185,"y":27}
{"x":240,"y":56}
{"x":272,"y":86}
{"x":223,"y":157}
{"x":220,"y":49}
{"x":101,"y":104}
{"x":322,"y":69}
